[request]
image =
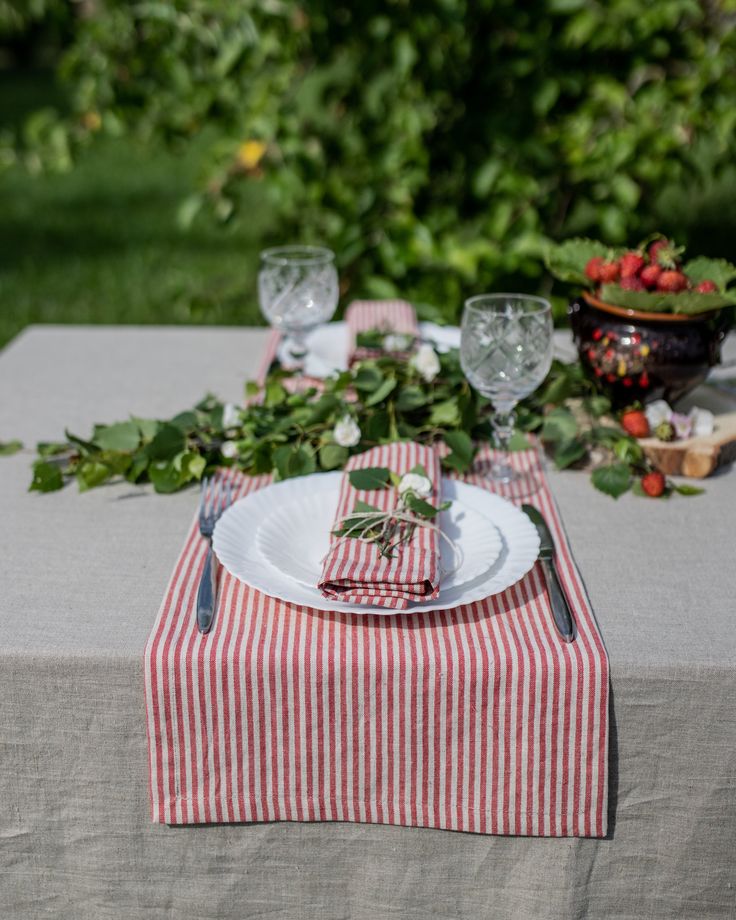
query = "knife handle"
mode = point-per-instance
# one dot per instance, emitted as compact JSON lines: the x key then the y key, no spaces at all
{"x":558,"y":602}
{"x":207,"y":594}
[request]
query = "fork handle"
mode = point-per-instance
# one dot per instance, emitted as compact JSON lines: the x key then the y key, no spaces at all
{"x":207,"y":593}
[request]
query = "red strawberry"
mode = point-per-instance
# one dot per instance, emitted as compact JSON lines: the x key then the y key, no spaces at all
{"x":592,"y":269}
{"x":635,"y":423}
{"x":608,"y":272}
{"x":653,"y":483}
{"x":631,"y":264}
{"x":706,"y":287}
{"x":665,"y":253}
{"x":649,"y":275}
{"x":672,"y":282}
{"x":632,"y":283}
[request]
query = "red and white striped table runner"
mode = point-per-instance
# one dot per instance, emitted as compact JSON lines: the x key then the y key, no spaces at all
{"x":477,"y":719}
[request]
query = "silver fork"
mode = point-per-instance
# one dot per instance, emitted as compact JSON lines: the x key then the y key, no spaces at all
{"x":215,"y":497}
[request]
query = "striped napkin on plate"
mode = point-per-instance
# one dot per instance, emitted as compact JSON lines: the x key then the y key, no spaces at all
{"x":354,"y":570}
{"x":394,"y":317}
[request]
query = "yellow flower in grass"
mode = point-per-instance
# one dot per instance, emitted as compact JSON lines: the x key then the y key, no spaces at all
{"x":250,"y":154}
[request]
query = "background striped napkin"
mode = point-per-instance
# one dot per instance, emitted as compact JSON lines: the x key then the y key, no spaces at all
{"x":354,"y":571}
{"x":391,"y":316}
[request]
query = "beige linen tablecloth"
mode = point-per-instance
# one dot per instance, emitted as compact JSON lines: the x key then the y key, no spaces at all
{"x":82,"y":577}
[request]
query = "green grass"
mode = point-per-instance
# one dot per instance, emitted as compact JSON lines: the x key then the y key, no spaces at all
{"x":101,"y":244}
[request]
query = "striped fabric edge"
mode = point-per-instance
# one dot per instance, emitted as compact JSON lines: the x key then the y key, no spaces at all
{"x":354,"y":571}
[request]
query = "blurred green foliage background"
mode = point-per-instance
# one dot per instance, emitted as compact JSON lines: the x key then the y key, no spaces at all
{"x":148,"y":150}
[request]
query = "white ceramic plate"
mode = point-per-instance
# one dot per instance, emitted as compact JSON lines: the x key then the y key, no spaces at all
{"x":236,"y":545}
{"x":295,"y":537}
{"x":328,"y":346}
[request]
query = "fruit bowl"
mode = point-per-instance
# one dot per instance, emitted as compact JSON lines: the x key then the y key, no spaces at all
{"x":638,"y":355}
{"x":650,"y":324}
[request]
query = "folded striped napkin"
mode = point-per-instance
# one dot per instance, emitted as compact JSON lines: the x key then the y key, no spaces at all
{"x":394,"y":317}
{"x":354,"y":570}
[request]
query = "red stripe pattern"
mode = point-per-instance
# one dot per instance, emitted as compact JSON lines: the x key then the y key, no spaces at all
{"x":475,"y":719}
{"x":354,"y":571}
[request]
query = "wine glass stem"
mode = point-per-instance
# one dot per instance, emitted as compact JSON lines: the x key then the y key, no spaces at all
{"x":298,"y":348}
{"x":503,"y":427}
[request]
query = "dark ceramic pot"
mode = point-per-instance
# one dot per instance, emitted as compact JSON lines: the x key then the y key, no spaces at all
{"x":644,"y":356}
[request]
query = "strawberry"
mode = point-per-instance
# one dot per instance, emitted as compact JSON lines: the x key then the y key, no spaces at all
{"x":632,"y":283}
{"x":672,"y":282}
{"x":631,"y":264}
{"x":706,"y":287}
{"x":635,"y":423}
{"x":665,"y":254}
{"x":653,"y":483}
{"x":608,"y":272}
{"x":649,"y":275}
{"x":592,"y":269}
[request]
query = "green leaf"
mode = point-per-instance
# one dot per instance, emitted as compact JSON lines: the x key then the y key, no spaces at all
{"x":559,"y":426}
{"x":147,"y":427}
{"x":411,"y":397}
{"x":613,"y":480}
{"x":461,"y":444}
{"x":689,"y":302}
{"x":185,"y":421}
{"x":567,"y":260}
{"x":445,"y":413}
{"x":138,"y":467}
{"x":332,"y":456}
{"x":47,"y":477}
{"x":419,"y":506}
{"x":368,"y":378}
{"x":374,"y":477}
{"x":293,"y":461}
{"x":168,"y":442}
{"x":628,"y":450}
{"x":518,"y":441}
{"x":8,"y":448}
{"x":378,"y":395}
{"x":275,"y":393}
{"x":120,"y":436}
{"x":91,"y":473}
{"x":721,"y":272}
{"x":569,"y":452}
{"x":597,"y":405}
{"x":52,"y":448}
{"x":685,"y":489}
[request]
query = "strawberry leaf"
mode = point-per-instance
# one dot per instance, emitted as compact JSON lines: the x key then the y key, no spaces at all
{"x":567,"y":260}
{"x":614,"y":480}
{"x":689,"y":302}
{"x":719,"y":271}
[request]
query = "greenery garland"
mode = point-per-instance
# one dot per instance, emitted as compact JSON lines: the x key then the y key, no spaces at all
{"x":291,"y":432}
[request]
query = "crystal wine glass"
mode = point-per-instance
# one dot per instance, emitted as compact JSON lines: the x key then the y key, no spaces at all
{"x":506,"y":352}
{"x":297,"y":291}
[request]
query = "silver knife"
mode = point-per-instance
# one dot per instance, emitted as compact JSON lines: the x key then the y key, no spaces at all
{"x":557,"y":597}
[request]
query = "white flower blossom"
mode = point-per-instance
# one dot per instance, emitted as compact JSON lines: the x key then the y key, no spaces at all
{"x":425,"y":360}
{"x":416,"y":483}
{"x":230,"y":416}
{"x":396,"y":342}
{"x":657,"y":412}
{"x":229,"y":449}
{"x":703,"y":421}
{"x":682,"y":424}
{"x":346,"y":432}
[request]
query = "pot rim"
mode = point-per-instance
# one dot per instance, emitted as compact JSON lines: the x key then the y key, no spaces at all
{"x":648,"y":316}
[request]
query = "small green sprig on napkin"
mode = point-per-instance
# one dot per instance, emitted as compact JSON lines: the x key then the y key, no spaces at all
{"x":388,"y":530}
